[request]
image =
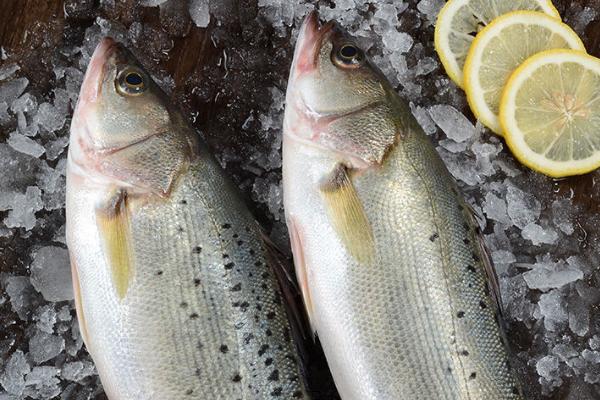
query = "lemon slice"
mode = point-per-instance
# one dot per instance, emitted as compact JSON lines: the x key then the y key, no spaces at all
{"x":550,"y":113}
{"x":460,"y":20}
{"x":500,"y":48}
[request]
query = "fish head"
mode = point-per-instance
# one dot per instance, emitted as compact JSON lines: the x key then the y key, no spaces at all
{"x":335,"y":92}
{"x":124,"y":128}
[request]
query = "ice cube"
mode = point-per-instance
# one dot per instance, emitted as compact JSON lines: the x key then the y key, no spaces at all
{"x":152,"y":3}
{"x":395,"y":41}
{"x":25,"y":145}
{"x":49,"y":117}
{"x":562,"y":215}
{"x":553,"y":310}
{"x":44,"y":346}
{"x":538,"y":235}
{"x":454,"y":124}
{"x":430,"y":8}
{"x":495,"y":208}
{"x":523,"y":208}
{"x":11,"y":90}
{"x":77,"y":370}
{"x":23,"y":209}
{"x":21,"y":294}
{"x":579,"y":315}
{"x":12,"y":379}
{"x":51,"y":274}
{"x":547,"y":275}
{"x":423,"y":118}
{"x":42,"y":383}
{"x":425,"y":66}
{"x":46,"y":318}
{"x":594,"y":342}
{"x":200,"y":12}
{"x":8,"y":70}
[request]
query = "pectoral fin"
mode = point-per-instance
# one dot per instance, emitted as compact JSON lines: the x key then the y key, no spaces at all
{"x":348,"y":215}
{"x":114,"y":225}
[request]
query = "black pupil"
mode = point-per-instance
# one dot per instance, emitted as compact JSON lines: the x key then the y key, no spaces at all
{"x":349,"y":51}
{"x":133,"y":79}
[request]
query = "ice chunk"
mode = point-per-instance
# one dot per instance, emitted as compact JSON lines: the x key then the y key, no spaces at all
{"x":552,"y":309}
{"x":44,"y":346}
{"x":78,"y":370}
{"x":21,"y":294}
{"x":395,"y":41}
{"x":430,"y":8}
{"x":27,"y":103}
{"x":452,"y":146}
{"x":538,"y":235}
{"x":547,"y":368}
{"x":42,"y":383}
{"x":423,"y":118}
{"x":523,"y":208}
{"x":495,"y":208}
{"x":594,"y":342}
{"x":49,"y":117}
{"x":46,"y":318}
{"x":8,"y":70}
{"x":562,"y":215}
{"x":200,"y":12}
{"x":152,"y":3}
{"x":579,"y":315}
{"x":23,"y":208}
{"x":51,"y":274}
{"x":12,"y":379}
{"x":11,"y":90}
{"x":425,"y":66}
{"x":454,"y":124}
{"x":53,"y":183}
{"x":25,"y":145}
{"x":547,"y":275}
{"x":503,"y":257}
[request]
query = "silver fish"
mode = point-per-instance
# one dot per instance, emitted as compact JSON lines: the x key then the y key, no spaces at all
{"x":386,"y":251}
{"x":174,"y":294}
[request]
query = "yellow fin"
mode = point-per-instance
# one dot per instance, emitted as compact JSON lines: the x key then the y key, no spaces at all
{"x":113,"y":223}
{"x":348,"y":215}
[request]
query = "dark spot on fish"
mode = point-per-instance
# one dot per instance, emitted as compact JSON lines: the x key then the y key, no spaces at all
{"x":236,"y":378}
{"x":200,"y":345}
{"x":515,"y":390}
{"x":229,"y":265}
{"x":183,"y":304}
{"x":193,"y":315}
{"x":264,"y":285}
{"x":297,"y":394}
{"x":196,"y":282}
{"x":277,"y":391}
{"x":247,"y":228}
{"x":486,"y":289}
{"x":466,"y":226}
{"x":225,"y":255}
{"x":180,"y":229}
{"x":197,"y":371}
{"x":449,"y":370}
{"x":274,"y":376}
{"x":471,"y":268}
{"x":265,"y":275}
{"x":473,"y":375}
{"x":286,"y":335}
{"x":197,"y":250}
{"x":224,"y":349}
{"x":460,"y":207}
{"x":248,"y":338}
{"x":240,"y":242}
{"x":466,"y":241}
{"x":189,"y":392}
{"x":244,"y":306}
{"x":235,"y":236}
{"x":226,"y":226}
{"x":268,"y":361}
{"x":236,"y":288}
{"x":263,"y":349}
{"x":460,"y":314}
{"x":476,"y":257}
{"x":183,"y":202}
{"x":269,"y":332}
{"x":271,"y":315}
{"x":159,"y":273}
{"x":252,"y":252}
{"x":482,"y":305}
{"x":259,"y":307}
{"x":257,"y":264}
{"x":433,"y":237}
{"x":464,"y":353}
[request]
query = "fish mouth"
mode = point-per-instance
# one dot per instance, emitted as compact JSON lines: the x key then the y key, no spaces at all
{"x":94,"y":76}
{"x":310,"y":40}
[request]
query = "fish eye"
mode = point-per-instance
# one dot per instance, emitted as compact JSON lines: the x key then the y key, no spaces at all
{"x":131,"y":82}
{"x":348,"y":55}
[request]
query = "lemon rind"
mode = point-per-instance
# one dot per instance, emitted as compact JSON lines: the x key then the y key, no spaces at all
{"x":514,"y":137}
{"x":474,"y":93}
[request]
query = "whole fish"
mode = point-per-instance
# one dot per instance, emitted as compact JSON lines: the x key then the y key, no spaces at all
{"x":386,"y":251}
{"x":174,"y":294}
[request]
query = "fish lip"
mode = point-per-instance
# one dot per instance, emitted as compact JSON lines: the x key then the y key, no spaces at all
{"x":94,"y":76}
{"x":309,"y":42}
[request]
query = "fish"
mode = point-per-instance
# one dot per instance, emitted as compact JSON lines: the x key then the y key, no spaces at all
{"x":392,"y":269}
{"x":175,"y":292}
